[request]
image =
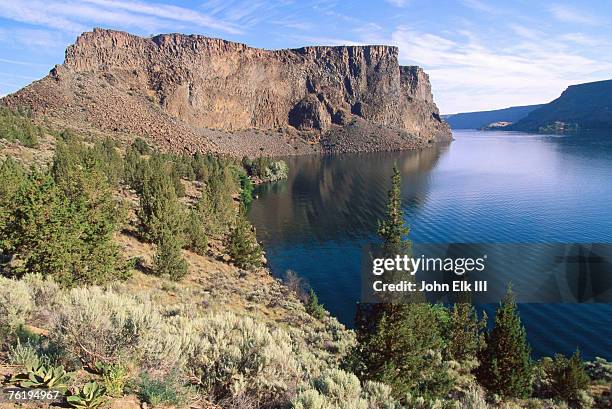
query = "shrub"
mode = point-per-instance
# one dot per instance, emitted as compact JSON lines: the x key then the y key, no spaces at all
{"x":233,"y":356}
{"x":339,"y":389}
{"x":313,"y":307}
{"x":243,"y":247}
{"x":26,"y":356}
{"x":474,"y":398}
{"x":115,"y":378}
{"x":16,"y":304}
{"x":599,"y":370}
{"x":157,"y":392}
{"x":563,"y":377}
{"x":16,"y":125}
{"x":97,"y":326}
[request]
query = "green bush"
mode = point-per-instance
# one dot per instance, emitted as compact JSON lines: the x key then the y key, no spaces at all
{"x":336,"y":389}
{"x":115,"y":377}
{"x":17,"y":125}
{"x":599,"y":370}
{"x":562,"y":377}
{"x":243,"y":246}
{"x":313,"y":307}
{"x":265,"y":169}
{"x":26,"y":356}
{"x":234,"y":356}
{"x":16,"y":305}
{"x":160,"y":392}
{"x":98,"y":326}
{"x":61,"y":223}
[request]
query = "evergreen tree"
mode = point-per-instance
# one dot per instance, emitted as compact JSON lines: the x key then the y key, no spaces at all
{"x":505,"y":365}
{"x":313,"y":307}
{"x":466,"y":338}
{"x":243,"y":246}
{"x":396,"y":339}
{"x":160,"y":210}
{"x":392,"y":228}
{"x":12,"y":175}
{"x":564,"y":377}
{"x":168,"y":258}
{"x":66,"y":235}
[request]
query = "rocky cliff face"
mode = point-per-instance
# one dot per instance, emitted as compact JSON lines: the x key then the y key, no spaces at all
{"x":178,"y":88}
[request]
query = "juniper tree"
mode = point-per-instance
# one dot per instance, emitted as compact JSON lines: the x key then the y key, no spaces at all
{"x":168,"y":258}
{"x":564,"y":377}
{"x":160,"y":210}
{"x":243,"y":246}
{"x":505,"y":365}
{"x":67,"y":234}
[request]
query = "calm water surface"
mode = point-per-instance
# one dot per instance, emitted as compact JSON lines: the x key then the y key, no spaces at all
{"x":492,"y":187}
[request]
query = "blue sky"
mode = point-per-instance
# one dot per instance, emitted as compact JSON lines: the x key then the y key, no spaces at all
{"x":479,"y":54}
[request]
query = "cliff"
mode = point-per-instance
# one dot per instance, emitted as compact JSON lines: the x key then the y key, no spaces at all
{"x":198,"y":93}
{"x":580,"y":107}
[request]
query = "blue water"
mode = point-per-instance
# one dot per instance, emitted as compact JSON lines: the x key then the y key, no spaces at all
{"x":495,"y":187}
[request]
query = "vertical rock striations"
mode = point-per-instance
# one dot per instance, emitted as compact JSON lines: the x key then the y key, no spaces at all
{"x":177,"y":88}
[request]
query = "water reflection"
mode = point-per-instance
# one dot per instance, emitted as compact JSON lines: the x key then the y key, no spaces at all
{"x":485,"y":187}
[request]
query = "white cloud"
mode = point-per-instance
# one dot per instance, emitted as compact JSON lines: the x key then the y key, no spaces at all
{"x":78,"y":16}
{"x":44,"y":40}
{"x":479,"y":6}
{"x":468,"y":75}
{"x":567,"y":14}
{"x":398,"y":3}
{"x":31,"y":64}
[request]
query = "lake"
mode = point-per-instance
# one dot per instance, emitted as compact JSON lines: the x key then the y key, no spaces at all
{"x":484,"y":187}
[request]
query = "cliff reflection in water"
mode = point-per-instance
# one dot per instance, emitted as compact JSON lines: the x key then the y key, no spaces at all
{"x":326,"y":198}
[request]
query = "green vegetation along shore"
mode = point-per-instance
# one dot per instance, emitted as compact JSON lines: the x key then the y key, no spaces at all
{"x":132,"y":277}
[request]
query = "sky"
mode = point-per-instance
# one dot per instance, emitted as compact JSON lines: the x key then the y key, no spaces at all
{"x":479,"y":54}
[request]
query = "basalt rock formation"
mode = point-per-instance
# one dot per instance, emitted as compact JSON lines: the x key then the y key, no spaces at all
{"x":198,"y":93}
{"x":580,"y":107}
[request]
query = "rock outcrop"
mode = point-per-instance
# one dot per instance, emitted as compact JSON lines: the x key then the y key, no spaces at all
{"x":580,"y":107}
{"x":199,"y":93}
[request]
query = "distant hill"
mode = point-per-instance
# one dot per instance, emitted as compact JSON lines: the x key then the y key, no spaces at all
{"x":582,"y":106}
{"x":482,"y":119}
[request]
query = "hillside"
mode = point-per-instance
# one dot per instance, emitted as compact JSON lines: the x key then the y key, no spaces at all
{"x":194,"y":93}
{"x":482,"y":119}
{"x":582,"y":106}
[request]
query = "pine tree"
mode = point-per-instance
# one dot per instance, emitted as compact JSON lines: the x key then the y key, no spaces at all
{"x":396,"y":339}
{"x":243,"y":246}
{"x":466,"y":333}
{"x":392,"y":228}
{"x":505,"y":365}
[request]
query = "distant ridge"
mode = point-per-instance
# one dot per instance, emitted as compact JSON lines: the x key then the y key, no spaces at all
{"x":482,"y":119}
{"x":580,"y":107}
